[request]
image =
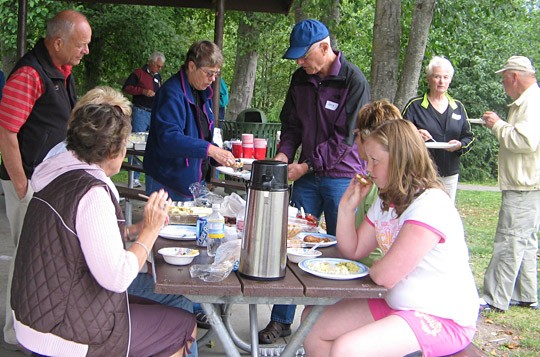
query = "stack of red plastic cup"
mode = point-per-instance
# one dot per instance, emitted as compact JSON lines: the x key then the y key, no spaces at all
{"x":247,"y":146}
{"x":237,"y":149}
{"x":259,"y":147}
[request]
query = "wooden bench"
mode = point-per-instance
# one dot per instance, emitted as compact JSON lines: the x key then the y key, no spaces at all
{"x":131,"y":193}
{"x":470,"y":351}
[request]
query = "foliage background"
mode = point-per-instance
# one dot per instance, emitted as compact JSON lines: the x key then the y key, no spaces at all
{"x":476,"y":35}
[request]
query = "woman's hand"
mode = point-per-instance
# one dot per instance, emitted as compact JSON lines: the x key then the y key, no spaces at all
{"x":425,"y":135}
{"x":456,"y":145}
{"x":223,"y":157}
{"x":156,"y":211}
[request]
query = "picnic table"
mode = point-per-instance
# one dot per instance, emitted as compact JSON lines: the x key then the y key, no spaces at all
{"x":297,"y":287}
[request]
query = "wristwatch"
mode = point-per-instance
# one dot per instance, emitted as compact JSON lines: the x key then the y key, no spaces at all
{"x":310,"y":166}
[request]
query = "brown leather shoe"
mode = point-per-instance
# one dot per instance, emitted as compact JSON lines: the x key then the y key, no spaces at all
{"x":273,"y":331}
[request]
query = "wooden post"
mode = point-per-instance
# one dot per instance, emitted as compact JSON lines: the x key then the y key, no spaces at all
{"x":21,"y":29}
{"x":218,"y":39}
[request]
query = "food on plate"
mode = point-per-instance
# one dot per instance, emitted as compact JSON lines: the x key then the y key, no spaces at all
{"x":293,"y":230}
{"x":182,"y":211}
{"x":295,"y":242}
{"x":237,"y":165}
{"x":187,"y":252}
{"x":308,"y":218}
{"x":341,"y":268}
{"x":362,"y":179}
{"x":314,"y":239}
{"x":189,"y":211}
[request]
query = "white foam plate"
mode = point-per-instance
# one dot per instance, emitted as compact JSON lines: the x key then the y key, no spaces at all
{"x":432,"y":145}
{"x":179,"y":232}
{"x":244,"y":174}
{"x":332,"y":238}
{"x":477,"y":121}
{"x":307,"y":266}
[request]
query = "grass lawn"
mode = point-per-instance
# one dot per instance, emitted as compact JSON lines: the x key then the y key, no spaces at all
{"x":479,"y":211}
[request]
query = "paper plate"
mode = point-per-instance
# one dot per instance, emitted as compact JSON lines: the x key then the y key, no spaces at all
{"x":432,"y":145}
{"x":179,"y":232}
{"x":324,"y":268}
{"x":332,"y":239}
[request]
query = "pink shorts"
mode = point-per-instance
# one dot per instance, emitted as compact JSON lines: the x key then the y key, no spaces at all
{"x":436,"y":336}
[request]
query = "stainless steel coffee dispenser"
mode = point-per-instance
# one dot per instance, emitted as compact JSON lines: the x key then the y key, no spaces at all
{"x":263,"y":255}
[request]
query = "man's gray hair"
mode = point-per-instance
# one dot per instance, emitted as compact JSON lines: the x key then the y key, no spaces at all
{"x":154,"y":57}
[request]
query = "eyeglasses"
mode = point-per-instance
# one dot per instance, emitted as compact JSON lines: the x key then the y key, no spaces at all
{"x":308,"y":53}
{"x":210,"y":74}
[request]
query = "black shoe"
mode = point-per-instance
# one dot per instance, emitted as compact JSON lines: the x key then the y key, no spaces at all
{"x":202,"y":320}
{"x":273,"y":331}
{"x":528,"y":305}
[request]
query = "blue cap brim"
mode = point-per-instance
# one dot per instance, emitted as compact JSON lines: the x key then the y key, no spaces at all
{"x":296,"y":52}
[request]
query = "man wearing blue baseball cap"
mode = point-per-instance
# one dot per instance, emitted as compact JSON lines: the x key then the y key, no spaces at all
{"x":319,"y":114}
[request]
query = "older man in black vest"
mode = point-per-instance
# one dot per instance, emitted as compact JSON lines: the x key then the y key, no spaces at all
{"x":37,"y":100}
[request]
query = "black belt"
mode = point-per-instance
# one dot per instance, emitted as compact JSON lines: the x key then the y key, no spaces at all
{"x":143,"y":108}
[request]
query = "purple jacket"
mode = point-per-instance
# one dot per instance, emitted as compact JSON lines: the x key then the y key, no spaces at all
{"x":321,"y":115}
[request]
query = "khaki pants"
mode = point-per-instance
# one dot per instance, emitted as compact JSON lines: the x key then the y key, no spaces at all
{"x":15,"y":212}
{"x":512,"y":271}
{"x":451,"y":184}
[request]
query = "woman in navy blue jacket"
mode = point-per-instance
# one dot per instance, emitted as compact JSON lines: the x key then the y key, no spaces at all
{"x":441,"y":120}
{"x":179,"y":147}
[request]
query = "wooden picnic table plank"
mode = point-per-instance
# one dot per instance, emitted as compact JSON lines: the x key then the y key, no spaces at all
{"x":176,"y":279}
{"x":288,"y":286}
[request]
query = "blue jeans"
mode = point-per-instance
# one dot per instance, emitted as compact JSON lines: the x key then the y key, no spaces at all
{"x":140,"y":122}
{"x":143,"y":286}
{"x":317,"y":194}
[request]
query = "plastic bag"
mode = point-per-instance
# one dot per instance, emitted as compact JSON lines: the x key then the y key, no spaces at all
{"x":226,"y":260}
{"x":232,"y":205}
{"x":202,"y":195}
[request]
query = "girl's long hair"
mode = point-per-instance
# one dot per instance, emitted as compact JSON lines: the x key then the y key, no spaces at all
{"x":410,"y":168}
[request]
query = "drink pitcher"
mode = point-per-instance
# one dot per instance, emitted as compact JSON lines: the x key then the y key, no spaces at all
{"x":263,"y":255}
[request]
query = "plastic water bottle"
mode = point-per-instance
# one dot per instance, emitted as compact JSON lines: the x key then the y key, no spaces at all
{"x":216,"y":229}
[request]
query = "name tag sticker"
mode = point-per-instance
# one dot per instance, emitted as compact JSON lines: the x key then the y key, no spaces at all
{"x":456,"y":116}
{"x":331,"y":105}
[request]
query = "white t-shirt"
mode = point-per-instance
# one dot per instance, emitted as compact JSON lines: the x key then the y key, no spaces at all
{"x":442,"y":284}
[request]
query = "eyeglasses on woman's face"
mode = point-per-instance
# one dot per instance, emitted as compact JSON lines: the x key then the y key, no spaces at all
{"x":210,"y":74}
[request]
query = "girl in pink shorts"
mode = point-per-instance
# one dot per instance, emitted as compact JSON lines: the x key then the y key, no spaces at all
{"x":432,"y":302}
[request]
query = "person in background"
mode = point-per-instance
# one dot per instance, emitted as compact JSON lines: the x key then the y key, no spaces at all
{"x":370,"y":117}
{"x":223,"y":98}
{"x":142,"y":84}
{"x":319,"y":114}
{"x":37,"y":98}
{"x":179,"y":147}
{"x":431,"y":304}
{"x":89,"y":312}
{"x":441,"y":118}
{"x":2,"y":82}
{"x":511,"y":277}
